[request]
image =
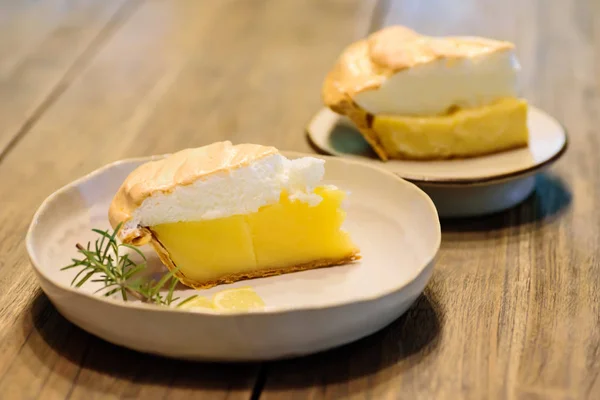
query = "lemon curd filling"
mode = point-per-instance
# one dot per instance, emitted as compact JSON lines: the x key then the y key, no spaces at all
{"x":471,"y":131}
{"x":290,"y":234}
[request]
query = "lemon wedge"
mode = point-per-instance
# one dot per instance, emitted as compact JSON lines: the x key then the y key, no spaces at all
{"x":240,"y":299}
{"x":197,"y":302}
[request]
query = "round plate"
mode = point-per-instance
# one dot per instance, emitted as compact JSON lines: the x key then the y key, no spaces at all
{"x":393,"y":222}
{"x":334,"y":134}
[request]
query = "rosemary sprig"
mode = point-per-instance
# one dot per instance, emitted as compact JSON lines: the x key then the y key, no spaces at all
{"x":106,"y":263}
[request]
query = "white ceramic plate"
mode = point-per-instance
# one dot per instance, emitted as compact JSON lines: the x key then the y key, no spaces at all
{"x":465,"y":187}
{"x":393,"y":222}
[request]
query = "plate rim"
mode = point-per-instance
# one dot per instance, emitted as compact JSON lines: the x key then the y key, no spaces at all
{"x":139,"y":306}
{"x":453,"y":182}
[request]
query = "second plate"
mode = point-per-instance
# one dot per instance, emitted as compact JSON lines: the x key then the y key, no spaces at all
{"x":462,"y":187}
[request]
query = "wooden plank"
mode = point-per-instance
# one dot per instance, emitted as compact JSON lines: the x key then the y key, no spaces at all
{"x":512,"y":310}
{"x":42,"y":45}
{"x":176,"y":74}
{"x":110,"y":98}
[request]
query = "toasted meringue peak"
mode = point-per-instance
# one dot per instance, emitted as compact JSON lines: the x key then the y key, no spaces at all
{"x":396,"y":48}
{"x":367,"y":64}
{"x":189,"y":165}
{"x":209,"y":182}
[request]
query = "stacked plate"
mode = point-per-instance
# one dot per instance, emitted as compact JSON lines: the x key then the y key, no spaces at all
{"x":459,"y":188}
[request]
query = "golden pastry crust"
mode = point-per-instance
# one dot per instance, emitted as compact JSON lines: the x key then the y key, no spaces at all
{"x":263,"y":273}
{"x":340,"y":102}
{"x":178,"y":169}
{"x":367,"y":63}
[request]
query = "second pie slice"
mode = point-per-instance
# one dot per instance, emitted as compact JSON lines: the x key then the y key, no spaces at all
{"x":424,"y":98}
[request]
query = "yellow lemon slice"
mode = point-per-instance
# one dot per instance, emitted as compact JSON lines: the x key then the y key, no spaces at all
{"x":240,"y":299}
{"x":197,"y":302}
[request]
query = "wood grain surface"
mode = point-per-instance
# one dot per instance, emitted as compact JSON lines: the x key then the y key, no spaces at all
{"x":513,"y":307}
{"x":43,"y":45}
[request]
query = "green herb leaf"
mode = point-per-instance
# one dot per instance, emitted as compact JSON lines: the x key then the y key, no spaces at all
{"x":117,"y":272}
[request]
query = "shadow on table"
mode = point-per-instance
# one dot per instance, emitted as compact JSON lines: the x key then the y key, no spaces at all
{"x":550,"y":199}
{"x":415,"y":332}
{"x":407,"y":341}
{"x":99,"y":361}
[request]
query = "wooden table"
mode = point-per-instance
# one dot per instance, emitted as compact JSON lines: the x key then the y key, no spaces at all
{"x":513,"y":307}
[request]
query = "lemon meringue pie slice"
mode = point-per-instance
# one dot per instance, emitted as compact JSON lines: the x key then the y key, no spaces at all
{"x":222,"y":213}
{"x":419,"y":97}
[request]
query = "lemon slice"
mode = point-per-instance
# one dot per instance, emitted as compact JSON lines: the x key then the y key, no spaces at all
{"x":198,"y":302}
{"x":240,"y":299}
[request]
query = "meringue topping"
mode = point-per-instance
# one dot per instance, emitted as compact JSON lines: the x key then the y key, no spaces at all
{"x":400,"y":72}
{"x":210,"y":182}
